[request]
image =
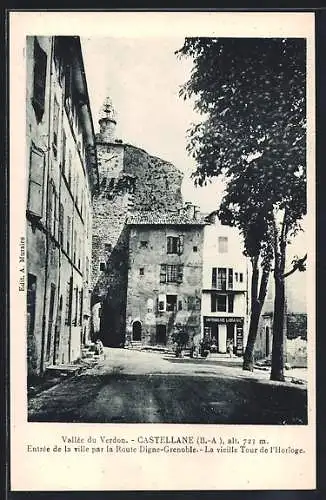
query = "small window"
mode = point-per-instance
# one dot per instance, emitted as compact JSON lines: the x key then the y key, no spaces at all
{"x":175,"y":244}
{"x":102,"y":266}
{"x":241,"y":277}
{"x":179,"y":305}
{"x":141,"y":271}
{"x":40,"y":62}
{"x":108,"y":247}
{"x":195,"y":249}
{"x":236,"y":276}
{"x":171,"y":303}
{"x":222,"y":244}
{"x":143,"y":244}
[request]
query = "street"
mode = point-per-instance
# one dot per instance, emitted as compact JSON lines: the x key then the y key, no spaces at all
{"x":149,"y":387}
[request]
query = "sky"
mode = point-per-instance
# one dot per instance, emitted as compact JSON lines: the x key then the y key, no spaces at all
{"x":143,"y":78}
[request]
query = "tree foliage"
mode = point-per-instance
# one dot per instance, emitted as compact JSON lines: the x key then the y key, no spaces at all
{"x":251,"y":95}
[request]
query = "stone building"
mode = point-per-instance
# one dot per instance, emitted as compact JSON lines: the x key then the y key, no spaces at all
{"x":225,"y":286}
{"x":130,"y":180}
{"x":61,"y":178}
{"x":295,"y":322}
{"x":165,"y":276}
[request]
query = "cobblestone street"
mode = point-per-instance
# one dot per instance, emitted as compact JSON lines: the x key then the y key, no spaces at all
{"x":148,"y":387}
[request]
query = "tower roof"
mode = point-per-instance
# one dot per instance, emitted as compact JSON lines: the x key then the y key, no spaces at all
{"x":107,"y":110}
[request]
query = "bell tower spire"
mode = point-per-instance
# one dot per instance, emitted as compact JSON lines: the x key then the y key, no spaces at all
{"x":107,"y":121}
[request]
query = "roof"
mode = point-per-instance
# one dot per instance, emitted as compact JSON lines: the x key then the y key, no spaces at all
{"x":164,"y":219}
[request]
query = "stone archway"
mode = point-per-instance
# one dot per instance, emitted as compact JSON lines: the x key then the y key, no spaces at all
{"x":136,"y":331}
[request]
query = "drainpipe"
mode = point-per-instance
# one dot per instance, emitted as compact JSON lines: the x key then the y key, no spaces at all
{"x":46,"y":214}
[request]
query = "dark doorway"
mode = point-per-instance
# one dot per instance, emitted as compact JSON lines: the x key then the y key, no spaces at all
{"x":57,"y":330}
{"x":267,"y":340}
{"x":161,"y":334}
{"x":50,"y":323}
{"x":31,"y":301}
{"x":136,"y":331}
{"x":214,"y":333}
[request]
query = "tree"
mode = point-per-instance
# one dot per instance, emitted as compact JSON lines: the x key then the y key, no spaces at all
{"x":251,"y":95}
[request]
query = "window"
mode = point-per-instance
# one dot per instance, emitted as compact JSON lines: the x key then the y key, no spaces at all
{"x":236,"y":276}
{"x":76,"y":307}
{"x":143,"y":244}
{"x":221,"y":278}
{"x":40,"y":61}
{"x":61,"y":219}
{"x":222,"y":303}
{"x":68,"y":234}
{"x":171,"y":303}
{"x":141,"y":271}
{"x":102,"y":266}
{"x":175,"y":244}
{"x":35,"y":188}
{"x":68,"y":302}
{"x":64,"y":150}
{"x":80,"y":307}
{"x":56,"y":111}
{"x":108,"y":247}
{"x":222,"y":244}
{"x":241,"y":277}
{"x":179,"y":305}
{"x":195,"y":249}
{"x":75,"y":247}
{"x":171,"y":273}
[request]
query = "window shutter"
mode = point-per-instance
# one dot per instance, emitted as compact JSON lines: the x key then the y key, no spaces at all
{"x":180,"y":244}
{"x":230,"y":303}
{"x":180,"y":273}
{"x":230,"y":279}
{"x":213,"y":302}
{"x":35,"y":188}
{"x":40,"y":61}
{"x":163,"y":274}
{"x":214,"y":277}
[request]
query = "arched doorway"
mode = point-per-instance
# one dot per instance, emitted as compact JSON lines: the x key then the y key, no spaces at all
{"x":136,"y":331}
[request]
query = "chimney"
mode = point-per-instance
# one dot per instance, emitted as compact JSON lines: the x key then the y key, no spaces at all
{"x":189,"y":209}
{"x":196,"y":212}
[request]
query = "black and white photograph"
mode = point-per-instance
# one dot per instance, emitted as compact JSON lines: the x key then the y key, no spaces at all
{"x":163,"y":250}
{"x":165,"y":241}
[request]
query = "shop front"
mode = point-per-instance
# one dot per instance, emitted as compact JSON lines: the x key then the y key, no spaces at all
{"x":223,"y":330}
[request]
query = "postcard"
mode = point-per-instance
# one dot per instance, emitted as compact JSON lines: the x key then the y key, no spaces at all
{"x":162,"y":176}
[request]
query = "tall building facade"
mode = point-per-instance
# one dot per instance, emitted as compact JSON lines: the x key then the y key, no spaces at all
{"x":225,"y":287}
{"x":131,"y":180}
{"x":164,"y":276}
{"x":62,"y":178}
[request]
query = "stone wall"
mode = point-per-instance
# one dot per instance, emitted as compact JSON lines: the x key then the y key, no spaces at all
{"x":145,"y":287}
{"x":130,"y":180}
{"x":157,"y":182}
